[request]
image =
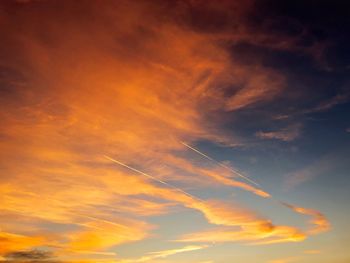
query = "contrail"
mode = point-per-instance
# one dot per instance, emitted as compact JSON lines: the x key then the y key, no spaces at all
{"x":152,"y":177}
{"x":182,"y":191}
{"x":221,"y":164}
{"x":241,"y":175}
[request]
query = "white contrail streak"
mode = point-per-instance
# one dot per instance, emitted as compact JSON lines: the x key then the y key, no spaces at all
{"x":180,"y":190}
{"x":221,"y":164}
{"x":153,"y":178}
{"x":293,"y":208}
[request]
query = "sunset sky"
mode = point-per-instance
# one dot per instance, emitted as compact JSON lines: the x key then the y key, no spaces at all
{"x":163,"y":131}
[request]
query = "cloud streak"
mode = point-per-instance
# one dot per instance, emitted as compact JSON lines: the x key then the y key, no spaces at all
{"x":221,"y":164}
{"x":287,"y":134}
{"x":318,"y":220}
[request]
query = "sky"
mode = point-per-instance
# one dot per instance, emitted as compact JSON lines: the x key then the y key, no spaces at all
{"x":165,"y":131}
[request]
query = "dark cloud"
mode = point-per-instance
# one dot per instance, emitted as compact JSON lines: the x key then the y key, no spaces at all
{"x":322,"y":21}
{"x":34,"y":261}
{"x":29,"y":255}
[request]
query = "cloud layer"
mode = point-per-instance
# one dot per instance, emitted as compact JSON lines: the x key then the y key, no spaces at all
{"x":83,"y":81}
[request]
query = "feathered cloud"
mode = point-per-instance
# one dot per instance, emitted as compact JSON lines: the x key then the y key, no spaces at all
{"x":318,"y":220}
{"x":123,"y":80}
{"x":310,"y":172}
{"x":287,"y":134}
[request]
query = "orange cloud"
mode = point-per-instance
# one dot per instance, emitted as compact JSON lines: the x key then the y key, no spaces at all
{"x":318,"y":220}
{"x":284,"y":260}
{"x":13,"y":242}
{"x":263,"y":234}
{"x":220,"y":176}
{"x":312,"y":252}
{"x":100,"y":235}
{"x":263,"y":86}
{"x":166,"y":253}
{"x":123,"y":80}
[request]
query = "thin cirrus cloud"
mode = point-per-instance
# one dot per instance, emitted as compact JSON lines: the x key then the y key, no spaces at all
{"x":318,"y":220}
{"x":254,"y":235}
{"x":309,"y":172}
{"x":151,"y":256}
{"x":81,"y":84}
{"x":287,"y":134}
{"x":341,"y":98}
{"x":14,"y":242}
{"x":284,"y":260}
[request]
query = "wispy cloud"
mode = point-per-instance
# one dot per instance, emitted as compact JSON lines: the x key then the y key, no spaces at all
{"x":312,"y":252}
{"x":262,"y":234}
{"x":29,"y":255}
{"x":287,"y":134}
{"x":284,"y":260}
{"x":339,"y":99}
{"x":89,"y":80}
{"x":166,"y":253}
{"x":308,"y":173}
{"x":14,"y":242}
{"x":264,"y":86}
{"x":334,"y":101}
{"x":318,"y":220}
